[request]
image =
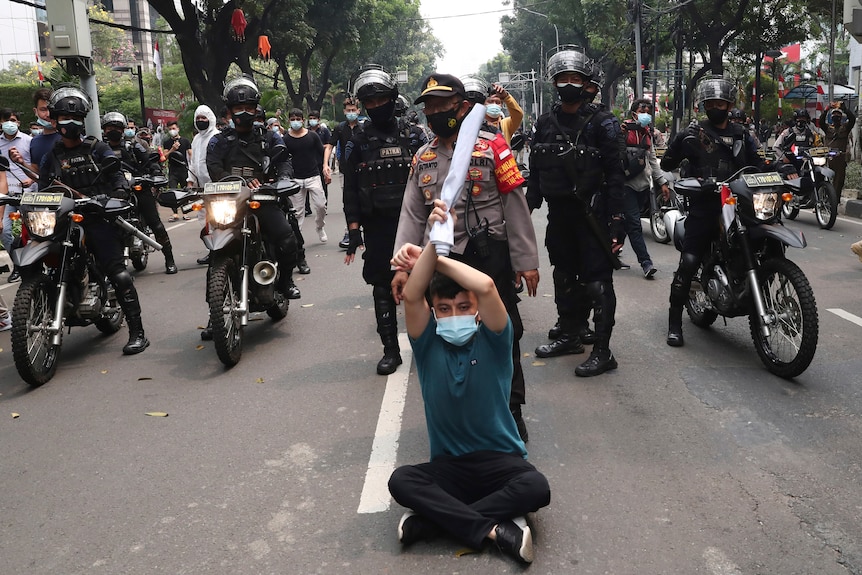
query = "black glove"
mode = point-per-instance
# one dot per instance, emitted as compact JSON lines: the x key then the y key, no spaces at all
{"x":618,"y":233}
{"x":355,"y":237}
{"x":693,"y":131}
{"x":534,"y":200}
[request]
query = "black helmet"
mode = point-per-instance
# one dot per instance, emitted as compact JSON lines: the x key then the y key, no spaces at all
{"x":373,"y":81}
{"x":259,"y":112}
{"x":401,"y":105}
{"x":114,"y":119}
{"x":475,"y":88}
{"x":70,"y":101}
{"x":714,"y":88}
{"x":241,"y":90}
{"x":801,"y":114}
{"x":737,"y":115}
{"x":569,"y":58}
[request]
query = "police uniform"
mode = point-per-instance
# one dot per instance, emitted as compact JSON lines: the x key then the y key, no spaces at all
{"x":491,"y":193}
{"x":583,"y":268}
{"x":232,"y":153}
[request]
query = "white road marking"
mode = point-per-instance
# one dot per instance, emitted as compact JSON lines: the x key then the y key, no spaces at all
{"x":847,"y":315}
{"x":384,"y":451}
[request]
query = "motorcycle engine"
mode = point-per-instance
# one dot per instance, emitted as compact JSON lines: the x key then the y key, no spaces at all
{"x":91,"y":304}
{"x":719,"y":291}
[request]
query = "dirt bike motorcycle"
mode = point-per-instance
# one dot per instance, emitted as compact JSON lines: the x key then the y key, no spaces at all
{"x":243,"y":271}
{"x":62,"y":285}
{"x":746,"y":271}
{"x":136,"y":250}
{"x":813,"y":188}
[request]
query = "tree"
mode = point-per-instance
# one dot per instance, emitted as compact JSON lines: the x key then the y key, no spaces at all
{"x":111,"y":46}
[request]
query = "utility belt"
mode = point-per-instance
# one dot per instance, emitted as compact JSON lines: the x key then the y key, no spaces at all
{"x":81,"y":178}
{"x":381,"y":184}
{"x":247,"y":173}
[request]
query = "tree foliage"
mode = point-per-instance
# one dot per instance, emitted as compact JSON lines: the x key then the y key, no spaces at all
{"x":111,"y":46}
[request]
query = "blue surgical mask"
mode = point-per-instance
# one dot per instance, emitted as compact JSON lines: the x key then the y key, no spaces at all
{"x":44,"y":123}
{"x":312,"y":122}
{"x":129,"y":132}
{"x":275,"y":129}
{"x":230,"y":123}
{"x":457,"y":329}
{"x":296,"y":125}
{"x":351,"y":116}
{"x":10,"y":128}
{"x":35,"y":131}
{"x":494,"y":110}
{"x":644,"y":119}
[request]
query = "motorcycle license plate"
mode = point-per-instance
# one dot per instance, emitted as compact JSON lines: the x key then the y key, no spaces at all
{"x":52,"y":199}
{"x":762,"y":180}
{"x":223,"y":187}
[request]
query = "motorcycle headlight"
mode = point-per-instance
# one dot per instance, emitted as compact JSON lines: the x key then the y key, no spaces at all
{"x":41,"y":223}
{"x":765,"y":205}
{"x":223,"y":211}
{"x":819,"y":161}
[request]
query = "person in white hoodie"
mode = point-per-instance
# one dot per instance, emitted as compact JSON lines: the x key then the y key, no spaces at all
{"x":205,"y":124}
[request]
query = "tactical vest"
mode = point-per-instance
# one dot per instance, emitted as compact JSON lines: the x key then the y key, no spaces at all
{"x":716,"y":153}
{"x":245,"y":158}
{"x":554,"y":149}
{"x":78,"y":168}
{"x":637,"y":143}
{"x":382,"y":174}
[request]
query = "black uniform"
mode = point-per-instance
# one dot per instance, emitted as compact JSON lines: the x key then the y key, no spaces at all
{"x":137,"y":158}
{"x":583,"y":268}
{"x":78,"y":168}
{"x":376,"y":166}
{"x":230,"y":152}
{"x":709,"y":152}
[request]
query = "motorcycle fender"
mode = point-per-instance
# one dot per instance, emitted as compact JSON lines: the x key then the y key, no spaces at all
{"x":783,"y":234}
{"x":678,"y":232}
{"x":30,"y":254}
{"x":220,"y":239}
{"x":828,"y":173}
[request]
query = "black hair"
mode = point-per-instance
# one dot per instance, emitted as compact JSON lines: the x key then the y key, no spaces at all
{"x":314,"y":114}
{"x":294,"y":112}
{"x":172,"y":123}
{"x":41,"y":94}
{"x":444,"y":287}
{"x":7,"y":113}
{"x":638,"y":103}
{"x":350,"y":101}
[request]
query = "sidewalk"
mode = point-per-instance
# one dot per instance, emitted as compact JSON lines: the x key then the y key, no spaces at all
{"x":849,"y":205}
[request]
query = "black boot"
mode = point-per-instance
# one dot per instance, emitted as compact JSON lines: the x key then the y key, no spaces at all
{"x":207,"y":332}
{"x":563,"y":345}
{"x":290,"y":290}
{"x":674,"y":327}
{"x":170,"y":264}
{"x":127,"y":296}
{"x":555,"y":332}
{"x":387,"y":327}
{"x":138,"y":342}
{"x":601,"y":359}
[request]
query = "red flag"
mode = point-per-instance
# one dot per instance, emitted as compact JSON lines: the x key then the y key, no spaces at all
{"x":39,"y":68}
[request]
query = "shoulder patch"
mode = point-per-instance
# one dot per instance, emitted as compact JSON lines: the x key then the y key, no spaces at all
{"x":428,"y":155}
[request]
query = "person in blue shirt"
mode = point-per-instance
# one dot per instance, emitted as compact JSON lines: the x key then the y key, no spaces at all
{"x":478,"y":485}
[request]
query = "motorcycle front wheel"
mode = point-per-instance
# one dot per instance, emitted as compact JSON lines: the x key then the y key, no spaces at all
{"x":793,"y":324}
{"x":656,"y":218}
{"x":140,"y":259}
{"x":35,"y":355}
{"x":223,"y":297}
{"x":698,"y":307}
{"x":826,"y":205}
{"x":789,"y":211}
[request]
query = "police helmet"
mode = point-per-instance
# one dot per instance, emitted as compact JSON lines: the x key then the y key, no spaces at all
{"x":569,"y":58}
{"x":373,"y":81}
{"x":737,"y":115}
{"x":242,"y":90}
{"x":114,"y":119}
{"x":801,"y":114}
{"x":476,"y":89}
{"x":714,"y":88}
{"x":259,"y":113}
{"x":401,"y":105}
{"x":69,"y":101}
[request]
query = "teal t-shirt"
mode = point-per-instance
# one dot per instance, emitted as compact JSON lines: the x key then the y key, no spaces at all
{"x":466,"y":392}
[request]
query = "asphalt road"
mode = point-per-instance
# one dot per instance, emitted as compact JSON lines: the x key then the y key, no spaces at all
{"x":682,"y":461}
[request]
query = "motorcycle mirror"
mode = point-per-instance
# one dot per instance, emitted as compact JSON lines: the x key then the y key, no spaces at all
{"x":110,"y":165}
{"x":4,"y":163}
{"x":277,"y":155}
{"x":517,"y":142}
{"x":154,"y":157}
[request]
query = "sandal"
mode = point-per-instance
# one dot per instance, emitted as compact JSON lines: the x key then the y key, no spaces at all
{"x":173,"y":218}
{"x":186,"y":218}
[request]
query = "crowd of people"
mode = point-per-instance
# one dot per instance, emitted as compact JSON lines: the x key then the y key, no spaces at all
{"x":461,"y":304}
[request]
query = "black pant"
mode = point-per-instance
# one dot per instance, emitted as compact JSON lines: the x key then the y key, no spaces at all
{"x":149,"y":212}
{"x":498,"y":265}
{"x":469,"y":494}
{"x":279,"y":233}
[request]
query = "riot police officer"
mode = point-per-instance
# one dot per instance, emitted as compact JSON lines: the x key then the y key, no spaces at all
{"x":409,"y":130}
{"x":715,"y":148}
{"x":376,"y":165}
{"x":76,"y":162}
{"x":241,"y":151}
{"x":575,"y":166}
{"x":801,"y":133}
{"x":138,"y":160}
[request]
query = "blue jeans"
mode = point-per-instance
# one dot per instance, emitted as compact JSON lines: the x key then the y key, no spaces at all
{"x":632,"y":222}
{"x":6,"y":235}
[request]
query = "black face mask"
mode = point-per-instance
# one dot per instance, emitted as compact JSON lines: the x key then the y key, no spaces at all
{"x":570,"y":93}
{"x":202,"y":125}
{"x":114,"y":136}
{"x":243,"y":120}
{"x":444,"y":124}
{"x":70,"y":129}
{"x":801,"y":124}
{"x":717,"y":116}
{"x":382,"y":114}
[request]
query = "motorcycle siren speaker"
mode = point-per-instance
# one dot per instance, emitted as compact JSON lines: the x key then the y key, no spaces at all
{"x":265,"y":272}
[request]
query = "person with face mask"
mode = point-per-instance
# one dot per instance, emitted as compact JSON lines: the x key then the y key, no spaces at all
{"x":478,"y":485}
{"x":493,"y":231}
{"x":838,"y":122}
{"x":341,"y":134}
{"x":177,"y":149}
{"x":306,"y":149}
{"x":14,"y":146}
{"x":376,"y":165}
{"x":715,"y":148}
{"x":76,"y":162}
{"x":576,"y":166}
{"x":801,"y":133}
{"x":642,"y":171}
{"x":135,"y":156}
{"x":497,"y":98}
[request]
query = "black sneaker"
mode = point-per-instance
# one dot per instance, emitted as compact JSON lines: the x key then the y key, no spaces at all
{"x":413,"y":528}
{"x":515,"y":539}
{"x":345,"y":241}
{"x":15,"y":276}
{"x":562,"y":346}
{"x":555,"y":332}
{"x":204,"y":261}
{"x":207,"y":332}
{"x":302,"y":268}
{"x":649,"y":270}
{"x":598,"y":363}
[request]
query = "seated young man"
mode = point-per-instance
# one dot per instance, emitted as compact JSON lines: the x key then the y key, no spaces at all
{"x":478,"y":484}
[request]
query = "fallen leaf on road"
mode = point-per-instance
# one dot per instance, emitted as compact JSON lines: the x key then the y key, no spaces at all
{"x":547,"y":295}
{"x":307,"y":305}
{"x":104,"y":371}
{"x":338,"y":314}
{"x":260,"y":380}
{"x":199,"y":347}
{"x":357,"y":307}
{"x":15,"y":415}
{"x":157,"y":414}
{"x":465,"y":551}
{"x":538,"y":363}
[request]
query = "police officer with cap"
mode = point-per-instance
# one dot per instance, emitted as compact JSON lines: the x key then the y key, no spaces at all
{"x":76,"y":162}
{"x":241,"y":151}
{"x":138,"y":159}
{"x":376,"y":164}
{"x":493,"y":230}
{"x":575,"y":166}
{"x":715,"y":148}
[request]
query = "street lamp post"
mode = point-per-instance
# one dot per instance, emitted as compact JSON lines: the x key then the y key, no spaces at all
{"x":140,"y":75}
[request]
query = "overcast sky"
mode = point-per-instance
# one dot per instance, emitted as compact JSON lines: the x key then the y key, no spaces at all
{"x":469,"y":31}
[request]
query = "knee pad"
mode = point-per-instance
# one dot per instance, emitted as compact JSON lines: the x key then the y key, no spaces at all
{"x":122,"y":281}
{"x":381,"y":292}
